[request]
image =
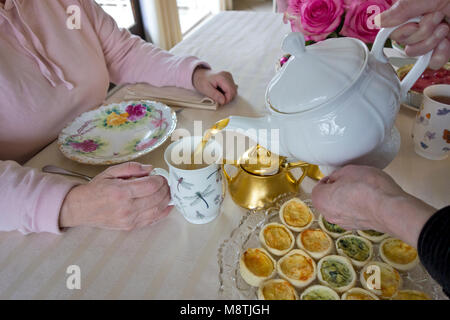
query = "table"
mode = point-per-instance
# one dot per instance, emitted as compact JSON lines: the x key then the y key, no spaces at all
{"x":174,"y":259}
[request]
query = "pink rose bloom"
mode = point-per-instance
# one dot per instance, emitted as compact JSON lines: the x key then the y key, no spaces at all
{"x":136,"y":112}
{"x":316,"y":19}
{"x":359,"y":19}
{"x":85,"y":146}
{"x":348,"y":3}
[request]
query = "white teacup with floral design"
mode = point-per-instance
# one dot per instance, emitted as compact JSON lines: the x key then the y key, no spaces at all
{"x":431,"y":131}
{"x":197,"y":194}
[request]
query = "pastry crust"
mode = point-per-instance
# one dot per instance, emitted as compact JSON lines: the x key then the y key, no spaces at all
{"x":390,"y":280}
{"x":400,"y":255}
{"x":298,"y":268}
{"x":277,"y":289}
{"x":341,"y":266}
{"x":319,"y":292}
{"x":296,"y":215}
{"x":274,"y":237}
{"x":372,"y":237}
{"x":352,"y":241}
{"x":313,"y":242}
{"x":334,"y":235}
{"x":358,"y":294}
{"x":259,"y":271}
{"x":411,"y":295}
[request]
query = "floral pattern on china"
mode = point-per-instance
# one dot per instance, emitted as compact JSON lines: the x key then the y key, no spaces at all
{"x":117,"y":132}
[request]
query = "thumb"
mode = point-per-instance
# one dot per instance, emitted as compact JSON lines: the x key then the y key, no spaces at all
{"x":321,"y":194}
{"x":403,"y":10}
{"x":127,"y":170}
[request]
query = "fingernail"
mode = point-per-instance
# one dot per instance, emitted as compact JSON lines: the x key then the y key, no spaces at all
{"x":147,"y":167}
{"x":442,"y":31}
{"x":438,"y":17}
{"x":324,"y":180}
{"x":377,"y":20}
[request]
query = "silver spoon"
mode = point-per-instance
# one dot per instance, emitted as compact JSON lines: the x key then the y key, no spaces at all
{"x":58,"y":170}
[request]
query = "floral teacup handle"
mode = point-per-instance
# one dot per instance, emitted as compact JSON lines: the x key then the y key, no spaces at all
{"x":163,"y":173}
{"x":419,"y":66}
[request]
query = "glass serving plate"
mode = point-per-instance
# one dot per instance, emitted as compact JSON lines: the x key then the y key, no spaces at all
{"x":246,"y":235}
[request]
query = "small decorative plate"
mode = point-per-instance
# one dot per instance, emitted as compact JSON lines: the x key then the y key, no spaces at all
{"x":246,"y":235}
{"x":117,"y":133}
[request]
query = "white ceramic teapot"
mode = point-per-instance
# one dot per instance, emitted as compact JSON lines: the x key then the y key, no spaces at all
{"x":334,"y":103}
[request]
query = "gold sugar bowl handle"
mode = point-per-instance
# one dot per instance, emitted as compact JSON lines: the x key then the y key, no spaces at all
{"x":310,"y":170}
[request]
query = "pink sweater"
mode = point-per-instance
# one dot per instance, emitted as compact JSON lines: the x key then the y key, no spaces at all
{"x":49,"y":75}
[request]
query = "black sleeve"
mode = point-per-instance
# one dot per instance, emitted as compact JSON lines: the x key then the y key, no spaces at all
{"x":434,"y":247}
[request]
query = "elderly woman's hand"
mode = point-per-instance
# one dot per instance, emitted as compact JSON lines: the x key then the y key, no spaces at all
{"x":431,"y":33}
{"x":123,"y":197}
{"x":359,"y":197}
{"x":219,"y":86}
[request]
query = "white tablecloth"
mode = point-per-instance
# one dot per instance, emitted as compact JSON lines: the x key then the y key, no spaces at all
{"x":174,"y":259}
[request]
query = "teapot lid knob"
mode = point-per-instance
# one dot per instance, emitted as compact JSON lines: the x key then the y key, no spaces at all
{"x":294,"y":43}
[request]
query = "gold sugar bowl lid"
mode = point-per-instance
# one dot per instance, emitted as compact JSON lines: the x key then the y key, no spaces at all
{"x":260,"y":161}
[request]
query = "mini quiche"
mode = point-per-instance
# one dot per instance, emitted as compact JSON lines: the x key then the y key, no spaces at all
{"x":319,"y":292}
{"x":256,"y":265}
{"x":296,"y":215}
{"x":277,"y":289}
{"x":388,"y":283}
{"x":357,"y":249}
{"x":298,"y":268}
{"x":358,"y":294}
{"x":398,"y":254}
{"x":333,"y":230}
{"x":411,"y":295}
{"x":315,"y":242}
{"x":277,"y":238}
{"x":373,"y":235}
{"x":336,"y":272}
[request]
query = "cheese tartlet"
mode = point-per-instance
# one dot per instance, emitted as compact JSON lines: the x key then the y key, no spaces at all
{"x":296,"y":215}
{"x":336,"y":272}
{"x":315,"y":242}
{"x":358,"y":294}
{"x":398,"y":254}
{"x":297,"y":267}
{"x":357,"y":249}
{"x":332,"y":229}
{"x":389,"y":282}
{"x":373,"y":235}
{"x":277,"y":289}
{"x":256,"y":266}
{"x":277,"y":238}
{"x":319,"y":292}
{"x":411,"y":295}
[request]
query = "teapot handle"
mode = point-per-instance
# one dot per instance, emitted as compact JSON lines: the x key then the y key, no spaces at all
{"x":419,"y":67}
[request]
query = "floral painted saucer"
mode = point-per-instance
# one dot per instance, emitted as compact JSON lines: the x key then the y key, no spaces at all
{"x":118,"y":132}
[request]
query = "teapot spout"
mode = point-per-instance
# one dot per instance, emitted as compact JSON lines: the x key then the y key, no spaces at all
{"x":262,"y":130}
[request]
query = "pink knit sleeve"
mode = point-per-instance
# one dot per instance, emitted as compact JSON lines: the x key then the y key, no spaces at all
{"x":30,"y":201}
{"x":132,"y":60}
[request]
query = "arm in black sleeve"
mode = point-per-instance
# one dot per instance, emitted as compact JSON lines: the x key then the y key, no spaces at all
{"x":434,"y":247}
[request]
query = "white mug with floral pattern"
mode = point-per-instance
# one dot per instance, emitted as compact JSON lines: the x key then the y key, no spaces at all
{"x":431,"y":132}
{"x":197,"y":194}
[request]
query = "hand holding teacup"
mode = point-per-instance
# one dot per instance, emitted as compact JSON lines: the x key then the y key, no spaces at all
{"x":196,"y":189}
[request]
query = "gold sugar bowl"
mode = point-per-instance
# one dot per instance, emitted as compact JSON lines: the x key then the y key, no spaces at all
{"x":263,"y":176}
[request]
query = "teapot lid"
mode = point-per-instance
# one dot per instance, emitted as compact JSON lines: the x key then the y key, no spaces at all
{"x":316,"y":73}
{"x":260,"y":161}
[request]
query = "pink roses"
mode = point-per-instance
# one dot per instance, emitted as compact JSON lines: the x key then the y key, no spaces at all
{"x":317,"y":19}
{"x":359,"y":20}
